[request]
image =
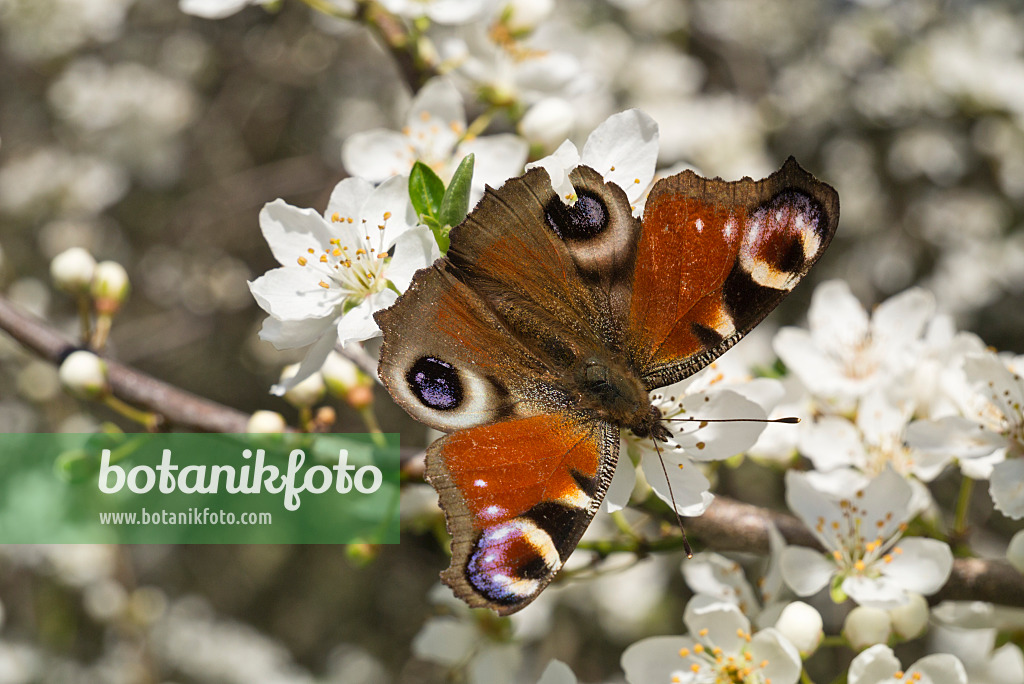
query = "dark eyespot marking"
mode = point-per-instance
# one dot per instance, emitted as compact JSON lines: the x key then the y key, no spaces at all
{"x":511,"y":561}
{"x":558,"y":520}
{"x":584,"y":220}
{"x":792,"y":259}
{"x":708,"y":337}
{"x":435,"y":383}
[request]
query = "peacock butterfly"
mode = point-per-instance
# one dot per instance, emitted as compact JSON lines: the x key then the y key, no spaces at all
{"x":540,"y":334}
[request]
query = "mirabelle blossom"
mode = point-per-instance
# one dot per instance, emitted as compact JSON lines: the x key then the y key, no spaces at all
{"x":846,"y":353}
{"x":865,"y":559}
{"x":720,"y":647}
{"x":988,"y":436}
{"x":336,"y":270}
{"x":435,"y":134}
{"x":623,"y":149}
{"x":878,"y":665}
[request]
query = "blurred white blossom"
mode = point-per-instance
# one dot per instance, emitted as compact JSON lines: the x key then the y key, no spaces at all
{"x":435,"y":134}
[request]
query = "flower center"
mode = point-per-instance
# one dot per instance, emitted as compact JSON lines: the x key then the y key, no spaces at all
{"x":709,"y":663}
{"x":356,"y":268}
{"x":857,"y":547}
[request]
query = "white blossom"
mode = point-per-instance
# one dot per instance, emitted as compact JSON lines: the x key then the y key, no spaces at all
{"x":865,"y":557}
{"x":335,"y":270}
{"x":435,"y":134}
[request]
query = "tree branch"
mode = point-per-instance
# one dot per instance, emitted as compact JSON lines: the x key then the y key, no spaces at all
{"x":175,"y":405}
{"x":730,"y":525}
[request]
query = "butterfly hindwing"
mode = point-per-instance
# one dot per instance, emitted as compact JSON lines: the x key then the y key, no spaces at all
{"x":715,"y":258}
{"x":518,"y":495}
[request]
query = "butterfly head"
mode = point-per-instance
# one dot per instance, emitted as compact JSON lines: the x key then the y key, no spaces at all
{"x":617,"y":396}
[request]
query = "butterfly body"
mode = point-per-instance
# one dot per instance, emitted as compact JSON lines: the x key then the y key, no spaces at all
{"x":540,"y":335}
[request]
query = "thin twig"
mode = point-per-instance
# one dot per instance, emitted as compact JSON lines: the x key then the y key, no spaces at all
{"x":174,"y":405}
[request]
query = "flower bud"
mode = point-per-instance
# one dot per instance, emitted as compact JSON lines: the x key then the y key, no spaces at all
{"x":347,"y":381}
{"x":1015,"y":551}
{"x":547,"y":123}
{"x":84,"y":374}
{"x":910,"y":620}
{"x":263,"y":422}
{"x":110,"y":287}
{"x":305,"y":393}
{"x":72,"y":270}
{"x":866,"y":627}
{"x":802,"y":625}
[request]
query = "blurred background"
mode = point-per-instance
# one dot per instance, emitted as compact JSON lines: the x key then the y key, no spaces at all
{"x":153,"y":138}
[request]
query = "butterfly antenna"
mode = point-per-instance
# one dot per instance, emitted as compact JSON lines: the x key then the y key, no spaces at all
{"x":672,"y":497}
{"x":790,"y":420}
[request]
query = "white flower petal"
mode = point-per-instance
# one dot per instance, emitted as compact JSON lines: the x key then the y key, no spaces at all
{"x":357,"y":324}
{"x":836,"y":318}
{"x":290,"y":232}
{"x":875,"y":665}
{"x":805,"y":571}
{"x":445,"y":640}
{"x":312,"y":363}
{"x":414,"y":249}
{"x":719,"y":623}
{"x":1015,"y":551}
{"x":624,"y":150}
{"x":294,"y":334}
{"x":940,"y":668}
{"x":810,"y":505}
{"x":557,"y":672}
{"x":453,"y":11}
{"x":922,"y":567}
{"x":377,"y":155}
{"x":389,"y":206}
{"x":783,"y":660}
{"x":715,"y":441}
{"x":1007,"y":487}
{"x":832,"y":442}
{"x":715,"y":575}
{"x":656,"y":659}
{"x":817,"y":371}
{"x":1005,"y":666}
{"x":558,"y":164}
{"x":771,"y":583}
{"x":292,"y":293}
{"x":689,"y":485}
{"x":497,"y":158}
{"x":436,"y":121}
{"x":495,"y":664}
{"x":882,"y":592}
{"x":900,"y":320}
{"x":211,"y":9}
{"x":885,"y":502}
{"x":938,"y":441}
{"x":347,"y":200}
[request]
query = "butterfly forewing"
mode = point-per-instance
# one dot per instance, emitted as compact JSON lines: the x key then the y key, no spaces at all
{"x":715,"y":258}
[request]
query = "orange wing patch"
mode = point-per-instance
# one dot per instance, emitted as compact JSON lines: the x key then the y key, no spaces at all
{"x":687,"y":250}
{"x":504,"y":469}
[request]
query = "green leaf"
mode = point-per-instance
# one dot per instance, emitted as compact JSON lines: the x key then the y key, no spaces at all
{"x":426,"y":191}
{"x":441,"y":235}
{"x":455,"y":204}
